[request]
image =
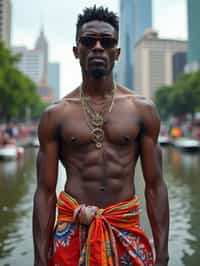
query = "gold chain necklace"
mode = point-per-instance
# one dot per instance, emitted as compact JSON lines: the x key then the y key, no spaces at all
{"x":95,"y":120}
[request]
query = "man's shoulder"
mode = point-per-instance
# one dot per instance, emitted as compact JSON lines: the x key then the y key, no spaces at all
{"x":145,"y":108}
{"x":139,"y":100}
{"x":148,"y":113}
{"x":61,"y":105}
{"x":144,"y":103}
{"x":54,"y":113}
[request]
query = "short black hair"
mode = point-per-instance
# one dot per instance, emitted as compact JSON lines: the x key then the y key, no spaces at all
{"x":97,"y":13}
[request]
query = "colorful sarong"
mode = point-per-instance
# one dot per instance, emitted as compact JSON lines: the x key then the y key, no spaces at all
{"x":89,"y":236}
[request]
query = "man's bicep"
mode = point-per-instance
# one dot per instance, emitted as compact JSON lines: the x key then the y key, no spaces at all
{"x":151,"y":160}
{"x":151,"y":157}
{"x":47,"y":159}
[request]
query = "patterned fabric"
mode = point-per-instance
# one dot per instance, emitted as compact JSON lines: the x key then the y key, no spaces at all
{"x":89,"y":236}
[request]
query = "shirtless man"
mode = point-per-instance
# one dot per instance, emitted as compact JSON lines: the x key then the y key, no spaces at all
{"x":98,"y":132}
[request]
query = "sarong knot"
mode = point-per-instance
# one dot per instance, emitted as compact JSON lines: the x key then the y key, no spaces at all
{"x":85,"y":214}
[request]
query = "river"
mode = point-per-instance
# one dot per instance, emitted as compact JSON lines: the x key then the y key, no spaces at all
{"x":182,"y":175}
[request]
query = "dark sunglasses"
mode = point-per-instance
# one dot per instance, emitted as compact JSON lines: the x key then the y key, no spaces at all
{"x":90,"y":42}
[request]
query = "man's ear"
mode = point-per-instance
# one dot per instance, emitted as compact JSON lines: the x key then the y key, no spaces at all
{"x":117,"y":54}
{"x":75,"y":51}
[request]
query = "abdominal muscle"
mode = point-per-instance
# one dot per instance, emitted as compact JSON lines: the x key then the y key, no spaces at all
{"x":100,"y":177}
{"x":99,"y":186}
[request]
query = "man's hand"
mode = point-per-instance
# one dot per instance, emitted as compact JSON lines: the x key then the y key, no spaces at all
{"x":155,"y":186}
{"x":162,"y":262}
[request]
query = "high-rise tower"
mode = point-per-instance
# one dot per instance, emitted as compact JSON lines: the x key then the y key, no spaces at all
{"x":34,"y":63}
{"x":193,"y":59}
{"x":135,"y":18}
{"x":157,"y":62}
{"x":42,"y":46}
{"x":5,"y":21}
{"x":54,"y":78}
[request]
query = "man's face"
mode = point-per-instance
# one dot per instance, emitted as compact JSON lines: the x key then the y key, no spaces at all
{"x":97,"y":48}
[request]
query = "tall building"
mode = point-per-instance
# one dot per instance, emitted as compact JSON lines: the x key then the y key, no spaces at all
{"x":54,"y":78}
{"x":193,"y":59}
{"x":42,"y":46}
{"x":5,"y":21}
{"x":154,"y":59}
{"x":135,"y":18}
{"x":34,"y":64}
{"x":179,"y":62}
{"x":31,"y":63}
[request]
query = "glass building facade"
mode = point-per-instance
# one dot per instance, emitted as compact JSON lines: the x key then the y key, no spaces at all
{"x":193,"y":31}
{"x":135,"y":18}
{"x":54,"y":78}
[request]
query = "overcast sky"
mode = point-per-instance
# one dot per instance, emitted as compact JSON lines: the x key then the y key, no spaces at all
{"x":59,"y":20}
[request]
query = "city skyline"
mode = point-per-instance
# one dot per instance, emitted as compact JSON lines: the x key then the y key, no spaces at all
{"x":59,"y":28}
{"x":36,"y":65}
{"x":154,"y":58}
{"x":193,"y":62}
{"x":135,"y":18}
{"x":5,"y":21}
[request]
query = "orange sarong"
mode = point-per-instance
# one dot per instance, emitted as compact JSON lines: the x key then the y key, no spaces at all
{"x":89,"y":236}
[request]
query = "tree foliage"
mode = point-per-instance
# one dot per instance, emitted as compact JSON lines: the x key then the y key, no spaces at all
{"x":17,"y":91}
{"x":181,"y":98}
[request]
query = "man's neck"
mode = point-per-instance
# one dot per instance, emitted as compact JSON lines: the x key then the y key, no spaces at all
{"x":98,"y":88}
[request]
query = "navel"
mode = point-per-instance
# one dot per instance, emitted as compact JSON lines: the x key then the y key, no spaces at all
{"x":74,"y":140}
{"x":126,"y":139}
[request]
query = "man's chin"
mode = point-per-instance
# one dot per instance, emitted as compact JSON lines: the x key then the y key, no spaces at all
{"x":97,"y":73}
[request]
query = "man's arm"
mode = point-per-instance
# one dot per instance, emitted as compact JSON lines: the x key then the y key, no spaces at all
{"x":155,"y":187}
{"x":45,"y":195}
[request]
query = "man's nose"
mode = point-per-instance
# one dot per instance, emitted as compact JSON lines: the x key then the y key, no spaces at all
{"x":98,"y":45}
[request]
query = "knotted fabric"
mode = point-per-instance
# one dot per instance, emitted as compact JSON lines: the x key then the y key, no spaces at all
{"x":90,"y":236}
{"x":84,"y":214}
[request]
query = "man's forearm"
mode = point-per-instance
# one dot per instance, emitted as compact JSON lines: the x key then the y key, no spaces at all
{"x":158,"y":213}
{"x":43,"y":223}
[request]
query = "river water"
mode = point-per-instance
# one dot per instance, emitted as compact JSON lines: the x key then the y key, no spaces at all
{"x":182,"y":175}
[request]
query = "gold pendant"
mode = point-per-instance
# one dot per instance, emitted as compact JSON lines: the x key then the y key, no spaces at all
{"x":98,"y":145}
{"x":98,"y":135}
{"x":97,"y":121}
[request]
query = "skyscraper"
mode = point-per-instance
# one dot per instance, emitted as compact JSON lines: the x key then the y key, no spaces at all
{"x":193,"y":58}
{"x":154,"y":58}
{"x":5,"y":21}
{"x":34,"y":62}
{"x":54,"y":78}
{"x":135,"y":18}
{"x":179,"y":62}
{"x":31,"y":63}
{"x":42,"y":46}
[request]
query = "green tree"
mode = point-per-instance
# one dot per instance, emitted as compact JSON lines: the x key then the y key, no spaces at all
{"x":181,"y":98}
{"x":17,"y":91}
{"x":163,"y":100}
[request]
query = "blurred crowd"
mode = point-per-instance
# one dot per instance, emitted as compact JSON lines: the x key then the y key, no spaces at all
{"x":182,"y":127}
{"x":11,"y":133}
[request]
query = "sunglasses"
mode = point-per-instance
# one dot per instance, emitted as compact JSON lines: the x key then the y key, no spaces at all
{"x":90,"y":42}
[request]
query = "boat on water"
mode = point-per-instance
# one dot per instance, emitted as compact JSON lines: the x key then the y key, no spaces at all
{"x":35,"y":142}
{"x":164,"y":140}
{"x":11,"y":152}
{"x":187,"y":144}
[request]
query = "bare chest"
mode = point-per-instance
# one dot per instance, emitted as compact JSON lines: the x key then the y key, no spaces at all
{"x":119,"y":127}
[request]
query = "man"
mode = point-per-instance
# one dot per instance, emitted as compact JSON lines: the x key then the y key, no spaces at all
{"x":98,"y":132}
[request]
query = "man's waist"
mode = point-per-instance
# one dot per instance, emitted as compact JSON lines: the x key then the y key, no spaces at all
{"x":70,"y":210}
{"x":100,"y":194}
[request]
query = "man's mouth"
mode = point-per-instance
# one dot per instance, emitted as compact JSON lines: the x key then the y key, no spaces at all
{"x":97,"y":60}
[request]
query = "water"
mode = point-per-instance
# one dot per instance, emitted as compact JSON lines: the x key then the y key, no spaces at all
{"x":181,"y":171}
